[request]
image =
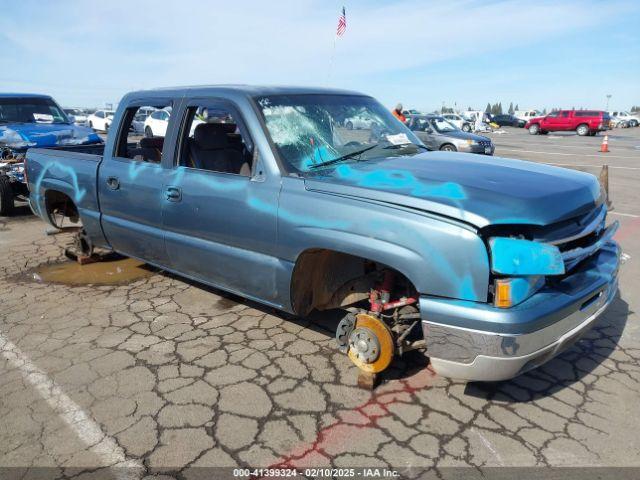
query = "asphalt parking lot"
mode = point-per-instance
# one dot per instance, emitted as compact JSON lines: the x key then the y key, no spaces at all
{"x":159,"y":374}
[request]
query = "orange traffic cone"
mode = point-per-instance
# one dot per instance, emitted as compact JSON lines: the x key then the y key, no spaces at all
{"x":604,"y":148}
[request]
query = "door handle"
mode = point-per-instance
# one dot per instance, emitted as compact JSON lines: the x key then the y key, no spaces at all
{"x":173,"y":194}
{"x":113,"y":183}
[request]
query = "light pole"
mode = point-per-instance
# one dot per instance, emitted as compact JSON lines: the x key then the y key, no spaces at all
{"x":608,"y":97}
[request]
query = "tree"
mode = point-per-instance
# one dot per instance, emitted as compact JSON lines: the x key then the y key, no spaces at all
{"x":488,"y":109}
{"x":499,"y":109}
{"x":511,"y":109}
{"x":517,"y":107}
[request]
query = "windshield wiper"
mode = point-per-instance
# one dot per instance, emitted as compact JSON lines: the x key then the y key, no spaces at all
{"x":347,"y":156}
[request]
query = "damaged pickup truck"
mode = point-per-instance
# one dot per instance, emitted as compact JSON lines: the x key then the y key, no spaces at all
{"x":492,"y":266}
{"x":31,"y":120}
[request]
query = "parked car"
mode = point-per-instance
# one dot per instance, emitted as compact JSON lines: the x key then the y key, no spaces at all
{"x":458,"y":121}
{"x":438,"y":134}
{"x":584,"y":122}
{"x":101,"y":120}
{"x":527,"y":115}
{"x":617,"y":122}
{"x":77,"y":116}
{"x":631,"y":119}
{"x":29,"y":120}
{"x":358,"y":122}
{"x":493,"y":265}
{"x":507,"y":120}
{"x":155,"y":125}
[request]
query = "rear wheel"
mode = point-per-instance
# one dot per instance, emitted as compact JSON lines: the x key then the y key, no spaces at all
{"x":466,"y":127}
{"x":90,"y":124}
{"x":447,"y":147}
{"x":534,"y":129}
{"x":582,"y":130}
{"x":349,"y":125}
{"x":148,"y":132}
{"x":633,"y":123}
{"x":6,"y":196}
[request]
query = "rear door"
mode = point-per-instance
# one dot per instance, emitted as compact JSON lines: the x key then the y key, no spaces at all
{"x":130,"y":185}
{"x":219,"y":206}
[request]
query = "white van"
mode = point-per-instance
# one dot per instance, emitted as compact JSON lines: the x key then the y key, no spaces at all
{"x":527,"y":115}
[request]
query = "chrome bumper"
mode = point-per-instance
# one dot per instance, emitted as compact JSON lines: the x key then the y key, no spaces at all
{"x":565,"y":315}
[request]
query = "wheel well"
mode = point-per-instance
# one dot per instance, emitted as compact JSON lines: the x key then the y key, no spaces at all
{"x":448,"y":144}
{"x":323,"y":279}
{"x":60,"y":205}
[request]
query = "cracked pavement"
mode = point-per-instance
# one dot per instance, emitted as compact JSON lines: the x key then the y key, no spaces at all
{"x":163,"y":374}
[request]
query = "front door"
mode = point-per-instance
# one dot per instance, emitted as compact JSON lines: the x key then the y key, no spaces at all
{"x":219,"y":209}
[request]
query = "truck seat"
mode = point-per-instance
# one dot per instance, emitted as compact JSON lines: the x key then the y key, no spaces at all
{"x":210,"y":149}
{"x":151,"y":149}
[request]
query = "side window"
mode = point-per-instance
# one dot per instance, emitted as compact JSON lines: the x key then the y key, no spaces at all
{"x":565,"y":114}
{"x":213,"y":139}
{"x":134,"y":142}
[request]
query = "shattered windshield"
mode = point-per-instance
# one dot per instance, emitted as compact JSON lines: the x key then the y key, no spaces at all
{"x":31,"y":110}
{"x":311,"y":131}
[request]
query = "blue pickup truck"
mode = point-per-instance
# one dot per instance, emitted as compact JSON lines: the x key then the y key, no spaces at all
{"x":31,"y":120}
{"x":491,"y":266}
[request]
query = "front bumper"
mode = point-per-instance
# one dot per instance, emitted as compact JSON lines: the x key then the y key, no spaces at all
{"x":482,"y":149}
{"x":479,"y":342}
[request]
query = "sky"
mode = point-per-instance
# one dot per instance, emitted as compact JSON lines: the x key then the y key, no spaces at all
{"x":460,"y":53}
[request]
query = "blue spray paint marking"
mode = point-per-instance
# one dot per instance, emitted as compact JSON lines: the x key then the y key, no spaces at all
{"x":513,"y":256}
{"x":400,"y":180}
{"x":78,"y":193}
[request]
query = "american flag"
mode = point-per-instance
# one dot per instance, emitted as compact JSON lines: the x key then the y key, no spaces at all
{"x":342,"y":24}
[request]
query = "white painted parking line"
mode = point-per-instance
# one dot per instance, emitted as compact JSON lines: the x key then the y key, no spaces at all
{"x":623,"y":214}
{"x":86,"y":429}
{"x":568,"y":154}
{"x":590,"y":166}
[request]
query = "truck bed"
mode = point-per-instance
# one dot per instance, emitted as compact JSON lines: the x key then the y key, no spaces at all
{"x":70,"y":170}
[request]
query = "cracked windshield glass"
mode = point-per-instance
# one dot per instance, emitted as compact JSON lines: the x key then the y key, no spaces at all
{"x":315,"y":131}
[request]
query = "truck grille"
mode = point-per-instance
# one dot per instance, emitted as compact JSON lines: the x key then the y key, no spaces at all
{"x":586,"y":239}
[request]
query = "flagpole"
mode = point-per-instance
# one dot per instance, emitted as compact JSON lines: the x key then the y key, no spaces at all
{"x":333,"y":53}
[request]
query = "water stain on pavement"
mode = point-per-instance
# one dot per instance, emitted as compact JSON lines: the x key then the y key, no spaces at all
{"x":113,"y":272}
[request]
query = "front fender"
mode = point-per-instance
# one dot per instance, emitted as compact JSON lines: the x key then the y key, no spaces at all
{"x":440,"y":257}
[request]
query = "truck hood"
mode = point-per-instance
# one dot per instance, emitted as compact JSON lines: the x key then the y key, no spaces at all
{"x":20,"y":136}
{"x":475,"y":189}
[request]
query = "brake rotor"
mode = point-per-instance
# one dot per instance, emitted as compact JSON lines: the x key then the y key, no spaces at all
{"x":371,"y":345}
{"x":343,"y":332}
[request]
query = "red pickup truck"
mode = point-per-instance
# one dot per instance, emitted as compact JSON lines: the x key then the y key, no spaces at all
{"x":584,"y":122}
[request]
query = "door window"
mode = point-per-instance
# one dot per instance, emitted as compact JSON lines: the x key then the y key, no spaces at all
{"x":133,"y":143}
{"x":214,"y":138}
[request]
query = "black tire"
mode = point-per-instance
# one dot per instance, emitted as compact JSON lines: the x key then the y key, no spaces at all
{"x":447,"y":147}
{"x":106,"y":127}
{"x":6,"y":196}
{"x":583,"y":130}
{"x":466,"y":127}
{"x":349,"y":125}
{"x":148,"y":132}
{"x":90,"y":124}
{"x":633,"y":123}
{"x":534,"y":129}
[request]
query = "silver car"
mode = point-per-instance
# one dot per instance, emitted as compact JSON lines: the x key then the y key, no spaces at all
{"x":438,"y":134}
